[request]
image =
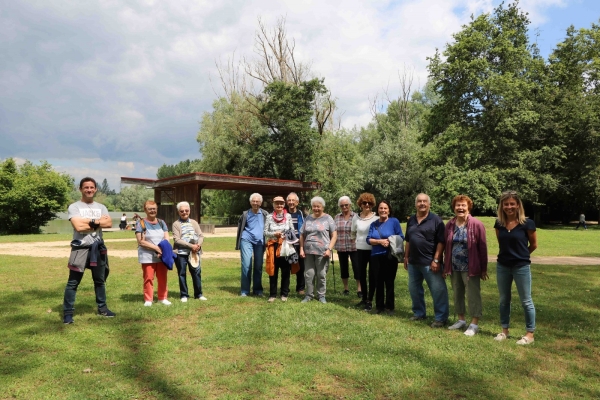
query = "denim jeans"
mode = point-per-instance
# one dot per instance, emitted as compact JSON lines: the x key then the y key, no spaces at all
{"x":247,"y":250}
{"x":437,"y":287}
{"x":98,"y":276}
{"x":182,"y":263}
{"x":522,"y":277}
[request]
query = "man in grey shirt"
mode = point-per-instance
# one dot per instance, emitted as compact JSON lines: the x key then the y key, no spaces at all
{"x":87,"y":248}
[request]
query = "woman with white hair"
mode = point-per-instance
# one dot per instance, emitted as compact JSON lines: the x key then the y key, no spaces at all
{"x":317,"y":238}
{"x":188,"y":238}
{"x":345,"y":245}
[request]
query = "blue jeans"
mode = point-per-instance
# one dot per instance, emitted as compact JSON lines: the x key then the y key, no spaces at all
{"x":437,"y":287}
{"x":182,"y":263}
{"x":522,"y":277}
{"x":98,"y":276}
{"x":247,"y":250}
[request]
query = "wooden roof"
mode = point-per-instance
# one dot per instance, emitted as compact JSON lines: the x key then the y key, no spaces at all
{"x":226,"y":182}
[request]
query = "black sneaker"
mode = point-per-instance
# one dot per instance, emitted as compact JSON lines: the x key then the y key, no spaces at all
{"x":68,"y":319}
{"x":361,"y":304}
{"x":359,"y":294}
{"x":368,"y":307}
{"x":106,"y":313}
{"x":346,"y":292}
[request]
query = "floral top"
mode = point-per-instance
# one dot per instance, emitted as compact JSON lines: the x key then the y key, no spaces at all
{"x":317,"y":234}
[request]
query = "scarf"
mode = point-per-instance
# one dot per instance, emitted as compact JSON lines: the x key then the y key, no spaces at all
{"x":280,"y":219}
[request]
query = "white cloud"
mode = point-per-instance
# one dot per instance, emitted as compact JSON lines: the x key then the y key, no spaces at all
{"x":127,"y":81}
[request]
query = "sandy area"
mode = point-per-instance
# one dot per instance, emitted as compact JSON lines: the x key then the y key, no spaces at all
{"x":60,"y":249}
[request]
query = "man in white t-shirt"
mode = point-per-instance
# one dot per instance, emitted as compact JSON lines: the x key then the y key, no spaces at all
{"x":87,"y":249}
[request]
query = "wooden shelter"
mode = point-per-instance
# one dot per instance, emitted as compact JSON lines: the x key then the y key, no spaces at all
{"x":170,"y":191}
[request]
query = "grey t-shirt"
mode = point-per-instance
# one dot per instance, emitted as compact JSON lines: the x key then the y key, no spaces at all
{"x":317,"y":233}
{"x":87,"y":210}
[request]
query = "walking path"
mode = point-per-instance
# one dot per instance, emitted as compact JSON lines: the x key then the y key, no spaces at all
{"x":60,"y":249}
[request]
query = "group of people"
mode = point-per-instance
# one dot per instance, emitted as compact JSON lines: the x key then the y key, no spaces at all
{"x":303,"y":245}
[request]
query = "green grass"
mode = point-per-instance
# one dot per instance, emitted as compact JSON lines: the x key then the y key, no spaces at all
{"x":243,"y":348}
{"x":210,"y":244}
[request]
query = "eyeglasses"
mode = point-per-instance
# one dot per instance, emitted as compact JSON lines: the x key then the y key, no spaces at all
{"x":151,"y":209}
{"x":344,"y":205}
{"x":184,"y":211}
{"x":366,"y":203}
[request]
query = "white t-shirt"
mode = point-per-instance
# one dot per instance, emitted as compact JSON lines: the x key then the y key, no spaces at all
{"x":87,"y":210}
{"x":361,"y":226}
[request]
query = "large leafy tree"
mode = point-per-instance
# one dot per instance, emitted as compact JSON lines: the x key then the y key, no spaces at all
{"x":132,"y":198}
{"x":30,"y":196}
{"x":574,"y":76}
{"x":488,"y":126}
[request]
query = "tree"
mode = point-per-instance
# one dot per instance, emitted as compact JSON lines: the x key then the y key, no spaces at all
{"x":183,"y":167}
{"x":574,"y":76}
{"x":30,"y":196}
{"x":105,"y":188}
{"x":488,"y":126}
{"x":132,"y":198}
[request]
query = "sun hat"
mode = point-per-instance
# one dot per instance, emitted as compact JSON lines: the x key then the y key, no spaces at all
{"x":278,"y":199}
{"x":194,"y":259}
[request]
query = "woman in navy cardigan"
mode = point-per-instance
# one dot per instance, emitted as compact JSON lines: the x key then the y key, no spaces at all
{"x":384,"y":268}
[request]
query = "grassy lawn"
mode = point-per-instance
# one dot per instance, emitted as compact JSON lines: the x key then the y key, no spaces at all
{"x":243,"y":348}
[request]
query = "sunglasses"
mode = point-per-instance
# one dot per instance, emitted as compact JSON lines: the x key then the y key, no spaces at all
{"x":366,"y":203}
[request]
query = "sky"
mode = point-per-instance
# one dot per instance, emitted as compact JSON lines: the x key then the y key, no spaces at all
{"x":117,"y":88}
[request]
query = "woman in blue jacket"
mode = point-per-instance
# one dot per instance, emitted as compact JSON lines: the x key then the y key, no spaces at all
{"x":383,"y":267}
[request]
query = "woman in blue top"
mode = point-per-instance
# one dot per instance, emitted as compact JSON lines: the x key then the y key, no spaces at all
{"x":384,"y":268}
{"x":517,"y":239}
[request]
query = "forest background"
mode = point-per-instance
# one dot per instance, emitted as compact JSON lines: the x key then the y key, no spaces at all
{"x":493,"y":116}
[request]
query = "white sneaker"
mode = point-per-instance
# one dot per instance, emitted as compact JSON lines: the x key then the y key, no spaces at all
{"x":165,"y":302}
{"x":458,"y":325}
{"x":500,"y":337}
{"x":472,"y":330}
{"x":184,"y":299}
{"x":202,"y":298}
{"x":148,"y":304}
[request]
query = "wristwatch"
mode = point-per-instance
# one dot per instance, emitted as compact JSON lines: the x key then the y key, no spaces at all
{"x":435,"y":260}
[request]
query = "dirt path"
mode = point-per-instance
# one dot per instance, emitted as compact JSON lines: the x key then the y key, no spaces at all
{"x":60,"y":249}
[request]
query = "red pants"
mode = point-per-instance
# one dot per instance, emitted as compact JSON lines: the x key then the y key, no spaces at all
{"x":160,"y":270}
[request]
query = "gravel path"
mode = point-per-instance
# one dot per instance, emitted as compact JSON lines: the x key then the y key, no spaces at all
{"x":60,"y":249}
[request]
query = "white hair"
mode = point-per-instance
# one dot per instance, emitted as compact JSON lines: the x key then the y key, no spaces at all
{"x":317,"y":199}
{"x":423,"y":194}
{"x":253,"y":195}
{"x":293,"y":194}
{"x":344,"y":198}
{"x":183,"y":204}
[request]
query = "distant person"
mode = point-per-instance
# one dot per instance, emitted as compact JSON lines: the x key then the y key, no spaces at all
{"x":87,"y":249}
{"x":251,"y":243}
{"x":317,"y":238}
{"x":424,"y":249}
{"x":345,"y":245}
{"x":465,"y":260}
{"x":276,"y":226}
{"x":298,"y":217}
{"x":150,"y":231}
{"x":517,"y":239}
{"x":384,"y":267}
{"x":123,"y":224}
{"x":581,"y":222}
{"x":361,"y":224}
{"x":188,"y":239}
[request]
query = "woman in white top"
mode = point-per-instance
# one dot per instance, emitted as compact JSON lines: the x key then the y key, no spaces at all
{"x":360,"y":229}
{"x":149,"y":232}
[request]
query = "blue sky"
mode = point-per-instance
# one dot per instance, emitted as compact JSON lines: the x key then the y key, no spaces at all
{"x":117,"y":88}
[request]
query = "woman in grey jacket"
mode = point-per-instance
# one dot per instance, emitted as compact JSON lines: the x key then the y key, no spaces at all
{"x":188,"y":239}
